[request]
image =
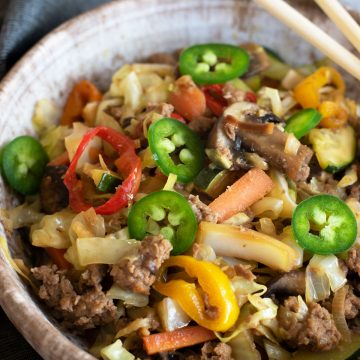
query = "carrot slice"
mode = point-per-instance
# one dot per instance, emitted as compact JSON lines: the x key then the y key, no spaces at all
{"x":251,"y":187}
{"x":57,"y":256}
{"x":187,"y":99}
{"x":177,"y":339}
{"x":82,"y":93}
{"x":62,"y":159}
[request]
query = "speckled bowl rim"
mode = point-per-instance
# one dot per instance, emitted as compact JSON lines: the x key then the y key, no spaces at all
{"x":47,"y":340}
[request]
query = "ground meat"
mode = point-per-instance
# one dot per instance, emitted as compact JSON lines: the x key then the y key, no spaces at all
{"x":138,"y":273}
{"x":211,"y":311}
{"x":81,"y":304}
{"x":201,"y":210}
{"x":353,"y":261}
{"x":244,"y":271}
{"x":233,"y":94}
{"x":314,"y":329}
{"x":163,"y":109}
{"x":352,"y":304}
{"x":114,"y":111}
{"x":202,"y":124}
{"x":215,"y":351}
{"x":54,"y":195}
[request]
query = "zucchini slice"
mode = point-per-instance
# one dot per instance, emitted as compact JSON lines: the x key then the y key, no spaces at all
{"x":335,"y":149}
{"x":105,"y":181}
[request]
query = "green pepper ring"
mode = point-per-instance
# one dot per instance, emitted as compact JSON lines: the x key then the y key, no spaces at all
{"x":164,"y":128}
{"x":23,"y":162}
{"x":302,"y":122}
{"x":189,"y":60}
{"x":170,"y":200}
{"x":343,"y":231}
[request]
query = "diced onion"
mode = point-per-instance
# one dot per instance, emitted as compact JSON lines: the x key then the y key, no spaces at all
{"x":171,"y":315}
{"x":292,"y":145}
{"x":349,"y":178}
{"x":291,"y":79}
{"x":116,"y":351}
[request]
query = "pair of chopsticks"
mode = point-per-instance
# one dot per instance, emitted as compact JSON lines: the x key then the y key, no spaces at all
{"x":317,"y":37}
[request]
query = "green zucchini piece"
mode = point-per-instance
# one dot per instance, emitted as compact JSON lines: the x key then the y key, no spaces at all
{"x":215,"y":181}
{"x":273,"y":54}
{"x":278,"y":68}
{"x":107,"y":183}
{"x":335,"y":149}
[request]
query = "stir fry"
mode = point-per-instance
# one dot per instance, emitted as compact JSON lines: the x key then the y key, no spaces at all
{"x":205,"y":206}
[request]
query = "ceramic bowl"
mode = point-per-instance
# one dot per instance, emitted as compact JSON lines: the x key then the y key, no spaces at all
{"x":93,"y":46}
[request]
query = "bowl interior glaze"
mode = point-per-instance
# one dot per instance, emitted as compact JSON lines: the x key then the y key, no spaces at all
{"x":93,"y":46}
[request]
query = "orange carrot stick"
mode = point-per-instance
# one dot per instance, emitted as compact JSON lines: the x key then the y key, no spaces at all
{"x":57,"y":256}
{"x":251,"y":187}
{"x":62,"y":159}
{"x":177,"y":339}
{"x":82,"y":93}
{"x":188,"y":100}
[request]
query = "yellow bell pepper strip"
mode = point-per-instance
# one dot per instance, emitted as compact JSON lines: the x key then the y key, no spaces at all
{"x":189,"y":295}
{"x":334,"y":116}
{"x":307,"y":92}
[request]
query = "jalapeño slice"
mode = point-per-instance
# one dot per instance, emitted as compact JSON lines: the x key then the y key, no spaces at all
{"x":213,"y":63}
{"x":166,"y":213}
{"x":324,"y":224}
{"x":176,"y":149}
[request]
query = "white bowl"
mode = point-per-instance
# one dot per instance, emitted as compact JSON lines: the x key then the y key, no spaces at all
{"x":93,"y":46}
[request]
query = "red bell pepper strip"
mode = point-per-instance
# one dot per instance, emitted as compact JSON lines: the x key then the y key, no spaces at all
{"x":128,"y":164}
{"x":215,"y":100}
{"x":57,"y":256}
{"x":250,"y":96}
{"x":176,"y":116}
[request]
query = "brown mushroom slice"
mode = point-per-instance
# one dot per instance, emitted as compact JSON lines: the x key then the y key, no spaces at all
{"x":287,"y":284}
{"x":259,"y":60}
{"x":256,"y":127}
{"x":271,"y":148}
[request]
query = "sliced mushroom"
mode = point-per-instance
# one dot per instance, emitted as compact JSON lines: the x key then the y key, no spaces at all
{"x":259,"y":60}
{"x":287,"y":284}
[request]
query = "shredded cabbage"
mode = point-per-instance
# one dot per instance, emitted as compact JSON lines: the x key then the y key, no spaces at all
{"x":338,"y":312}
{"x":171,"y":315}
{"x":275,"y":352}
{"x":14,"y":265}
{"x":52,"y":140}
{"x":128,"y":297}
{"x":116,"y":351}
{"x":170,"y":182}
{"x":135,"y":325}
{"x":46,"y":115}
{"x":105,"y":250}
{"x":72,"y":142}
{"x":287,"y":237}
{"x":266,"y":226}
{"x":139,"y":84}
{"x":349,"y":178}
{"x":243,"y":287}
{"x":240,"y":218}
{"x":243,"y":347}
{"x":102,"y":118}
{"x":268,"y":206}
{"x":53,"y":230}
{"x":203,"y":252}
{"x":265,"y":309}
{"x":22,"y":215}
{"x":281,"y":191}
{"x":322,"y":274}
{"x":274,"y":97}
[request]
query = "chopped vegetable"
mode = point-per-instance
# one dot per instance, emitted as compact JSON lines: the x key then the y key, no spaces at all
{"x":177,"y":339}
{"x":243,"y":193}
{"x":334,"y":115}
{"x":57,"y":256}
{"x":214,"y":181}
{"x":323,"y":224}
{"x":215,"y":100}
{"x":213,"y":63}
{"x":187,"y":98}
{"x":23,"y":162}
{"x":302,"y":122}
{"x":82,"y":93}
{"x":176,"y":149}
{"x":322,"y":274}
{"x":221,"y":310}
{"x":171,"y":315}
{"x":170,"y":208}
{"x":128,"y":163}
{"x":128,"y":297}
{"x":116,"y":351}
{"x":243,"y":243}
{"x":335,"y":149}
{"x":307,"y":92}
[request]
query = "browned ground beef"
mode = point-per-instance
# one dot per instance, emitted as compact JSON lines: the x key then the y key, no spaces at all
{"x":353,"y":261}
{"x":138,"y":272}
{"x":352,"y":304}
{"x":54,"y":195}
{"x":215,"y":351}
{"x":201,"y":210}
{"x":315,"y":330}
{"x":78,"y":303}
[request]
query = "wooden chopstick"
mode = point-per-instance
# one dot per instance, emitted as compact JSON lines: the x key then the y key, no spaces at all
{"x":342,"y":19}
{"x":313,"y":34}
